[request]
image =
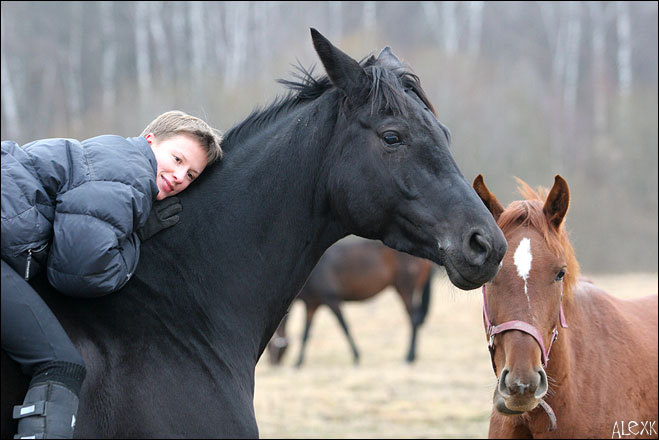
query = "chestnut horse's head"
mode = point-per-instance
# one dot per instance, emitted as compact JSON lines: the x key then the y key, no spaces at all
{"x":523,"y":305}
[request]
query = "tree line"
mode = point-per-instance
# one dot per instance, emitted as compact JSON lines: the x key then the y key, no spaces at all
{"x":528,"y":89}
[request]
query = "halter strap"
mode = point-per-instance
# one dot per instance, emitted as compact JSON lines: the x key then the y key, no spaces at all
{"x":522,"y":326}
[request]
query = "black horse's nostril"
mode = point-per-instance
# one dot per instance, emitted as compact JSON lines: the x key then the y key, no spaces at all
{"x":476,"y":248}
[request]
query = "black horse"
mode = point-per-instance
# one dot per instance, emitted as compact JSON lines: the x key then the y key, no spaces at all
{"x":173,"y":353}
{"x":355,"y":269}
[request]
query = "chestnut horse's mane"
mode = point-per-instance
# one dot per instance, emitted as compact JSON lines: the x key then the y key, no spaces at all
{"x":529,"y":213}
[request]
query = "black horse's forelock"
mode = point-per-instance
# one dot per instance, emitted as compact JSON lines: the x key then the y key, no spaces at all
{"x":386,"y":94}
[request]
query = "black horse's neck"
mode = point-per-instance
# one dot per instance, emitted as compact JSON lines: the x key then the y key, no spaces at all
{"x":251,"y":229}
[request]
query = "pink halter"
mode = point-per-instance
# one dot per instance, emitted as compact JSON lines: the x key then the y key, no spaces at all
{"x":525,"y":327}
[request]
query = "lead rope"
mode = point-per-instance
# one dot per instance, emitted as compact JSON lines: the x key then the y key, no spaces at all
{"x":550,"y":413}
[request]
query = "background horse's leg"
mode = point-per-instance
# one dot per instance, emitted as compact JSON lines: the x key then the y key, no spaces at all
{"x":311,"y":310}
{"x":411,"y":353}
{"x":337,"y":312}
{"x":416,"y":310}
{"x":407,"y":294}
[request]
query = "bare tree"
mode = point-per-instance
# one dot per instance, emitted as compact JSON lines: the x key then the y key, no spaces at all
{"x":261,"y":19}
{"x":475,"y":14}
{"x":7,"y":93}
{"x":179,"y":38}
{"x":74,"y":76}
{"x":624,"y":55}
{"x":236,"y":20}
{"x":197,"y":43}
{"x":572,"y":45}
{"x":449,"y":26}
{"x":335,"y":19}
{"x":142,"y":53}
{"x":109,"y":63}
{"x":446,"y":33}
{"x":369,"y":15}
{"x":600,"y":14}
{"x":562,"y":23}
{"x":157,"y":29}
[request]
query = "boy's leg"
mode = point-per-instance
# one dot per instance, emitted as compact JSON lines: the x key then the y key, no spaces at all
{"x":33,"y":337}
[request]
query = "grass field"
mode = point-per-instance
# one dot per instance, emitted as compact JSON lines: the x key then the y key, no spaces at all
{"x":446,"y":393}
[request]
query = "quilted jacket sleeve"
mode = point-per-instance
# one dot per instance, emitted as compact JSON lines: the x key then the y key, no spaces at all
{"x":95,"y":250}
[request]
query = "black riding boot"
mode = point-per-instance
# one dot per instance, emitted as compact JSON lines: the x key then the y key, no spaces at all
{"x":50,"y":406}
{"x":49,"y":411}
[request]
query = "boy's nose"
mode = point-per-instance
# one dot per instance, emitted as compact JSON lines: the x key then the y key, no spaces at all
{"x":178,"y":175}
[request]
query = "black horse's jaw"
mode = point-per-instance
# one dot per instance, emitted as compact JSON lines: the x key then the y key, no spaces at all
{"x":457,"y":279}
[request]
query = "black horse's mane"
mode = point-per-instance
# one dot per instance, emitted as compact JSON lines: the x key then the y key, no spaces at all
{"x":384,"y":94}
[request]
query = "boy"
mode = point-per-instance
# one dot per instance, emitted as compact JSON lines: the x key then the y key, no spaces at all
{"x":81,"y":209}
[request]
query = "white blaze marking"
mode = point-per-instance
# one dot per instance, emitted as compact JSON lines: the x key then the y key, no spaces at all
{"x":523,"y":260}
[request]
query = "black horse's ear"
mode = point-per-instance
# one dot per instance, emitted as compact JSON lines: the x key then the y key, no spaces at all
{"x":557,"y":202}
{"x":490,"y":201}
{"x":389,"y":60}
{"x":344,"y":72}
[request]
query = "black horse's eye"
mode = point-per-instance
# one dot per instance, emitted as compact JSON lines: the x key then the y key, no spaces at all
{"x":560,"y":275}
{"x":391,"y":138}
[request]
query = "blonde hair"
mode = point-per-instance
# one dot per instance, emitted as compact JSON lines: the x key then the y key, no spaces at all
{"x":176,"y":122}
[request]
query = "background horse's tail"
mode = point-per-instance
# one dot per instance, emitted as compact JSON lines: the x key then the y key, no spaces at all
{"x":424,"y":305}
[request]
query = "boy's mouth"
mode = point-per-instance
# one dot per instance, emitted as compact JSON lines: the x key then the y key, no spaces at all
{"x":167,"y":186}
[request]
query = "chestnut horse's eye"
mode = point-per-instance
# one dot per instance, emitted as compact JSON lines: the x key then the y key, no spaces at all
{"x":560,"y":275}
{"x":391,"y":138}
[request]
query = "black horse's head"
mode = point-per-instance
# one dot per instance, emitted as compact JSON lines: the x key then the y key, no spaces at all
{"x":412,"y":195}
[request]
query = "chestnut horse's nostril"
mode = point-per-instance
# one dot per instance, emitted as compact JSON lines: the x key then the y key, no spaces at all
{"x":503,"y":387}
{"x":476,"y":247}
{"x":543,"y":386}
{"x":516,"y":385}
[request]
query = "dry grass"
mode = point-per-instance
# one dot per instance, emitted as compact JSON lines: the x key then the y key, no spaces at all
{"x":446,"y":393}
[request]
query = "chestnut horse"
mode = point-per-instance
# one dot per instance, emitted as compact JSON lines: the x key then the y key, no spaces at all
{"x":571,"y":360}
{"x":357,"y":269}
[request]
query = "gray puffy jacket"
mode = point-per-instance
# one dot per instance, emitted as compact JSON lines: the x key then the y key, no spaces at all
{"x":75,"y":206}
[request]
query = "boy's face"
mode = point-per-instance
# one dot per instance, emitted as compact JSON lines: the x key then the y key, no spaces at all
{"x":180,"y":160}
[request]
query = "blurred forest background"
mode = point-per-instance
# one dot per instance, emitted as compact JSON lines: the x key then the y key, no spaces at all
{"x":528,"y":89}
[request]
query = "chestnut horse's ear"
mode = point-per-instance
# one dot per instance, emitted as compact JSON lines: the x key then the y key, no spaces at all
{"x":557,"y":202}
{"x":491,"y":202}
{"x":344,"y":72}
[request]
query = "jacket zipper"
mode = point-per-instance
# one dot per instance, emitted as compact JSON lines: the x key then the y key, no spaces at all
{"x":27,"y":265}
{"x":29,"y":259}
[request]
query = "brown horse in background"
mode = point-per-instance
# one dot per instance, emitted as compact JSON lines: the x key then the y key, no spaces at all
{"x":356,"y":269}
{"x":598,"y":378}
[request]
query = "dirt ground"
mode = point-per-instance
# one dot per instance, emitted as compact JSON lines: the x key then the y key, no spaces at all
{"x":446,"y":393}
